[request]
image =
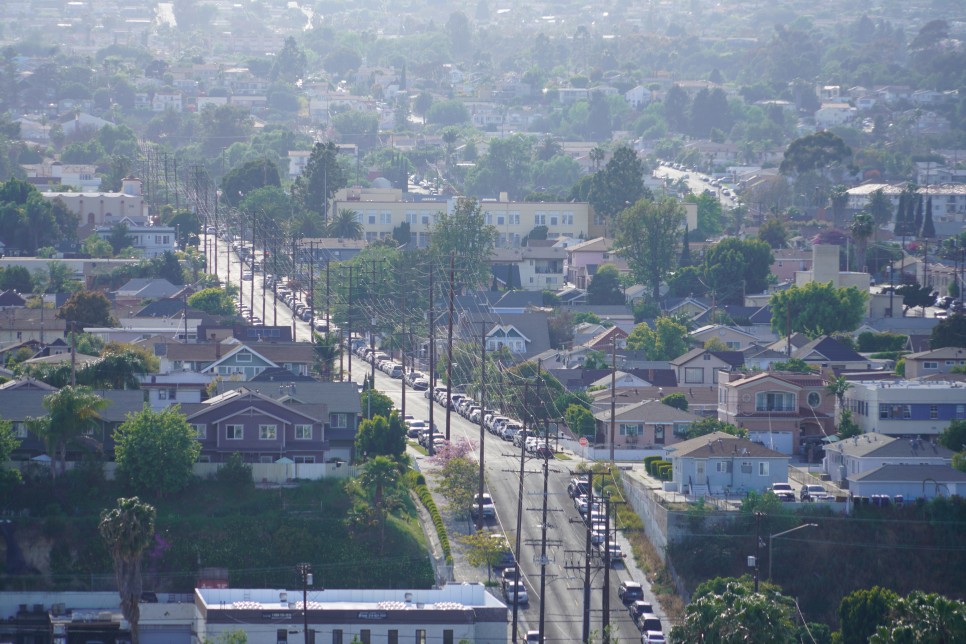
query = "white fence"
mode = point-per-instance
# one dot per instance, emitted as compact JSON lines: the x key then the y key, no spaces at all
{"x":261,"y":472}
{"x":601,"y":452}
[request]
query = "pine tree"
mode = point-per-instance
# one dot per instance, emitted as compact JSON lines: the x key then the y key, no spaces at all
{"x":917,"y":222}
{"x":900,"y":214}
{"x":928,"y":226}
{"x":685,"y":249}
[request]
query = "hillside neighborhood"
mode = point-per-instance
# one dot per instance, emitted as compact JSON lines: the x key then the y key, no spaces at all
{"x":310,"y":312}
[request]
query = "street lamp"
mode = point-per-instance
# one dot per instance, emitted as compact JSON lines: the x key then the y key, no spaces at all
{"x":305,"y":572}
{"x":772,"y":537}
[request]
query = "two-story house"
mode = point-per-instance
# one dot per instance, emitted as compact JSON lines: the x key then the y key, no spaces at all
{"x":701,"y":366}
{"x":864,"y":453}
{"x":233,"y":360}
{"x":720,"y":463}
{"x":584,"y":258}
{"x":733,"y":338}
{"x":907,"y":408}
{"x":934,"y":362}
{"x":532,"y":268}
{"x":782,"y":410}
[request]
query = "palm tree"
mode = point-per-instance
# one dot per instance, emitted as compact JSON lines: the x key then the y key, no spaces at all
{"x":597,"y":154}
{"x":450,"y":136}
{"x":862,"y":228}
{"x":128,"y":530}
{"x":326,"y":350}
{"x":71,"y":413}
{"x":380,"y":479}
{"x":345,"y":224}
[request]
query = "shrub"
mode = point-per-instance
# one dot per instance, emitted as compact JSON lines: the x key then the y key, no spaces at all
{"x":236,"y":473}
{"x":418,"y":482}
{"x":869,"y":342}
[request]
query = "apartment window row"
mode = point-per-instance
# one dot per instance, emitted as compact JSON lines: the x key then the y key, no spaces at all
{"x":895,"y":412}
{"x":774,"y":401}
{"x":365,"y":636}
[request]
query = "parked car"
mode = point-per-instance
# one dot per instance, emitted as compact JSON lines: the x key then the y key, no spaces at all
{"x":814,"y":492}
{"x":507,"y":560}
{"x":649,"y":622}
{"x":486,"y":507}
{"x":639,"y":607}
{"x":653,"y":637}
{"x":515,"y":591}
{"x":783,"y":491}
{"x":630,"y":591}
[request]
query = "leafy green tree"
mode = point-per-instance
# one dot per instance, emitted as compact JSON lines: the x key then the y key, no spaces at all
{"x":381,"y":436}
{"x":345,"y":224}
{"x":861,"y":612}
{"x":72,"y":412}
{"x":914,"y":295}
{"x":619,"y":185}
{"x":289,"y":63}
{"x":687,"y":281}
{"x":707,"y":426}
{"x":678,"y":401}
{"x":128,"y":530}
{"x":17,"y":278}
{"x":155,"y":450}
{"x":580,"y":420}
{"x":729,"y":610}
{"x":794,"y":365}
{"x":773,"y":232}
{"x":506,"y":167}
{"x":87,"y":309}
{"x":459,"y":482}
{"x":466,"y":235}
{"x":341,"y":61}
{"x":448,"y":112}
{"x":482,"y":549}
{"x":950,"y":332}
{"x":320,"y":180}
{"x":666,"y":341}
{"x":735,"y":266}
{"x":922,"y":617}
{"x":647,"y":237}
{"x":357,"y":127}
{"x":97,"y":248}
{"x":247,"y":178}
{"x":216,"y":301}
{"x":9,"y":478}
{"x":58,"y":279}
{"x":375,"y":403}
{"x":166,"y":266}
{"x":605,"y":287}
{"x":817,"y":309}
{"x":954,"y":436}
{"x":814,"y":152}
{"x":847,"y":426}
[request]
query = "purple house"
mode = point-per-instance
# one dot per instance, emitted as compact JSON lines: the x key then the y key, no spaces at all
{"x":263,"y":429}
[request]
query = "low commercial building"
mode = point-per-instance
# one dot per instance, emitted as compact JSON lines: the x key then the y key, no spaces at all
{"x":453,"y":613}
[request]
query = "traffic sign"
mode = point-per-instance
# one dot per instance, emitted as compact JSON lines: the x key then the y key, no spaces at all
{"x":583,"y":441}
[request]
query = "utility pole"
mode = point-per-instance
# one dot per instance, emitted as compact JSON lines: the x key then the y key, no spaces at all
{"x":372,"y":332}
{"x":432,"y":361}
{"x":328,"y":303}
{"x":479,"y":508}
{"x":449,"y":343}
{"x":241,"y":262}
{"x":402,"y":356}
{"x":73,"y":349}
{"x":295,"y":276}
{"x":349,"y":324}
{"x":585,"y":635}
{"x":275,"y":281}
{"x":613,"y":396}
{"x":516,"y":548}
{"x":757,"y":546}
{"x":312,"y":290}
{"x":605,"y":596}
{"x":543,"y":540}
{"x":251,"y":290}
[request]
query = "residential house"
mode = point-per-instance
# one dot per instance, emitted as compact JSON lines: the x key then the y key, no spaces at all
{"x":11,"y":299}
{"x":936,"y":361}
{"x":166,"y":389}
{"x":834,"y":114}
{"x":524,"y":335}
{"x":106,"y":208}
{"x":734,"y":338}
{"x":649,"y":424}
{"x":826,"y":352}
{"x":322,"y":250}
{"x":260,"y":428}
{"x":231,"y":359}
{"x":909,"y":482}
{"x":783,"y":410}
{"x":702,"y":401}
{"x":244,"y":362}
{"x":701,"y":366}
{"x":909,"y":408}
{"x":24,"y":398}
{"x":342,"y":413}
{"x":584,"y":259}
{"x":151,"y":241}
{"x":825,"y":269}
{"x":721,"y":463}
{"x":607,"y":340}
{"x":532,"y":268}
{"x":82,"y":177}
{"x":861,"y":454}
{"x":789,"y":261}
{"x":144,"y":288}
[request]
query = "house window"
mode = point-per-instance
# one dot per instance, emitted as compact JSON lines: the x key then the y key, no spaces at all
{"x":447,"y":637}
{"x":243,"y":357}
{"x":930,"y":364}
{"x":723,"y":467}
{"x":304,"y":459}
{"x":162,"y":394}
{"x":420,"y":636}
{"x":694,"y":375}
{"x":20,"y":430}
{"x":201,"y":431}
{"x":365,"y":635}
{"x":630,"y":429}
{"x":763,"y":468}
{"x":234,"y":432}
{"x":540,"y":220}
{"x":746,"y":467}
{"x":267,"y":432}
{"x":659,"y":434}
{"x":553,"y":220}
{"x":514,"y":219}
{"x":372,"y":218}
{"x":385,"y":218}
{"x":266,"y":459}
{"x":960,"y":411}
{"x":412,"y":218}
{"x":338,"y":421}
{"x":337,"y":636}
{"x":734,"y":346}
{"x":774,"y":401}
{"x":814,"y":399}
{"x":425,"y":220}
{"x":933,"y":412}
{"x":393,"y":636}
{"x":681,"y":429}
{"x":895,"y":412}
{"x":500,"y":220}
{"x":706,"y":356}
{"x":303,"y":432}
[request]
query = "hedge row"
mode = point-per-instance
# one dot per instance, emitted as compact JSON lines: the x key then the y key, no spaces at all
{"x":426,"y":498}
{"x":658,"y":468}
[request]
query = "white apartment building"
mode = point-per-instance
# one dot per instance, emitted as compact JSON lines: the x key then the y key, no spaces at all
{"x":907,"y":407}
{"x":382,"y":209}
